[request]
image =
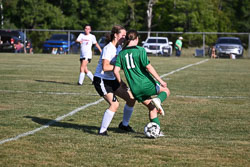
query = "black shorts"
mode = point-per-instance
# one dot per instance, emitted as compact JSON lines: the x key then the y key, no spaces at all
{"x":104,"y":86}
{"x":81,"y":59}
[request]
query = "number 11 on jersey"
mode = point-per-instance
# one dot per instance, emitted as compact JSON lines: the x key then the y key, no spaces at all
{"x":130,"y":61}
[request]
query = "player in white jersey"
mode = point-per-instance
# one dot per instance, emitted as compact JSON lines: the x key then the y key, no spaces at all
{"x":86,"y":40}
{"x":108,"y":87}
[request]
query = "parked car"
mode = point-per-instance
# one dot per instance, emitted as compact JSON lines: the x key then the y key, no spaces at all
{"x":225,"y":46}
{"x":10,"y":37}
{"x":158,"y":45}
{"x":61,"y":41}
{"x":101,"y":42}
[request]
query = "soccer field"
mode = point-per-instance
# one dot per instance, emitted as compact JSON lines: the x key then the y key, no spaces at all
{"x":46,"y":119}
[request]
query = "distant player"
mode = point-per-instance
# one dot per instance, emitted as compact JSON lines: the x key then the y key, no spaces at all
{"x":86,"y":40}
{"x":138,"y":70}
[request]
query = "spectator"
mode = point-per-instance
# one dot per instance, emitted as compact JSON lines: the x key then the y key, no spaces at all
{"x":28,"y":48}
{"x":61,"y":51}
{"x":178,"y":46}
{"x":232,"y":56}
{"x":18,"y":47}
{"x":54,"y":51}
{"x":213,"y":54}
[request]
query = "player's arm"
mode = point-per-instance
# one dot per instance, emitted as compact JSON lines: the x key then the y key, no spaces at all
{"x":117,"y":74}
{"x":78,"y":41}
{"x":98,"y":47}
{"x":106,"y":66}
{"x":118,"y":77}
{"x":152,"y":71}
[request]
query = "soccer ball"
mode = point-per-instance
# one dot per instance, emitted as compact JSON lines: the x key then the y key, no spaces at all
{"x":152,"y":130}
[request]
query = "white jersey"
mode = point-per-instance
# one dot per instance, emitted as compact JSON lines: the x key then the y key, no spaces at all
{"x":86,"y":45}
{"x":108,"y":53}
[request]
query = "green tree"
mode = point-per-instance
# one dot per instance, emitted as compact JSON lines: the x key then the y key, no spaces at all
{"x":108,"y":13}
{"x":33,"y":14}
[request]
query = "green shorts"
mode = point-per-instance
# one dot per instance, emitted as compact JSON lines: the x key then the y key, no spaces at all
{"x":145,"y":91}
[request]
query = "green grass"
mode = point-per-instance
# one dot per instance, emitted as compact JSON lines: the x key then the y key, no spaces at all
{"x":206,"y":122}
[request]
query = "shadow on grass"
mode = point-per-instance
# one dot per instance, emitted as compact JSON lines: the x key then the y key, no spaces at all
{"x":64,"y":83}
{"x":85,"y":128}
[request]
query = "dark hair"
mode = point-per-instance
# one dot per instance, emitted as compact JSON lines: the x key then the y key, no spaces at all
{"x":131,"y":35}
{"x":86,"y":25}
{"x":115,"y":30}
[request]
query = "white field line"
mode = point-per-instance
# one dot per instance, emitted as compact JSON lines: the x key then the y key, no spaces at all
{"x":182,"y":68}
{"x":95,"y":94}
{"x":214,"y":97}
{"x":82,"y":108}
{"x":50,"y":93}
{"x":52,"y":122}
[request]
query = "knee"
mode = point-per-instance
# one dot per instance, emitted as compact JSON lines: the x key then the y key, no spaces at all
{"x":86,"y":71}
{"x":167,"y":91}
{"x":81,"y":69}
{"x":114,"y":106}
{"x":131,"y":102}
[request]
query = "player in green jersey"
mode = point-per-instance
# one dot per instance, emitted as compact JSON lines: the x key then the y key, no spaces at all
{"x":141,"y":75}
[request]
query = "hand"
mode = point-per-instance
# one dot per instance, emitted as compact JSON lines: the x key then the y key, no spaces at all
{"x":163,"y":84}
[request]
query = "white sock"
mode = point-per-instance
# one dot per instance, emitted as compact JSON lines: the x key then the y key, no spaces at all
{"x":106,"y":120}
{"x":81,"y":78}
{"x":90,"y":75}
{"x":127,"y":113}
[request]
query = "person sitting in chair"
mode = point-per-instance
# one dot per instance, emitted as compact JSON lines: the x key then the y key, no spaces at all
{"x":213,"y":53}
{"x":18,"y":47}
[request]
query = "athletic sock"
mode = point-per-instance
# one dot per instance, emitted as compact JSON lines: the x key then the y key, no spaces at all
{"x":106,"y":120}
{"x":156,"y":120}
{"x":127,"y":113}
{"x":162,"y":96}
{"x":81,"y":78}
{"x":90,"y":75}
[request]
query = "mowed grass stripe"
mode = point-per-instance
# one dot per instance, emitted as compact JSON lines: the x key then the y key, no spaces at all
{"x":200,"y":130}
{"x":82,"y":108}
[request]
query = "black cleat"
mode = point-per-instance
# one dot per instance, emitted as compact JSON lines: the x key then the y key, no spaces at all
{"x":105,"y":133}
{"x":126,"y":128}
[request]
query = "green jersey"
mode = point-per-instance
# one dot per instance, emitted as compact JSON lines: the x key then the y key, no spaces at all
{"x":133,"y":60}
{"x":178,"y":42}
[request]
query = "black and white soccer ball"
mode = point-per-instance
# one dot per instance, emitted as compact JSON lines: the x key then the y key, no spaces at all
{"x":152,"y":130}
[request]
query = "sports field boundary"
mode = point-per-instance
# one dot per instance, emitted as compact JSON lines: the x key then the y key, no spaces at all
{"x":84,"y":107}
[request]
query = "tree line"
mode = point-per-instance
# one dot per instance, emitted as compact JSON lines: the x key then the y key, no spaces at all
{"x":142,"y":15}
{"x":167,"y":15}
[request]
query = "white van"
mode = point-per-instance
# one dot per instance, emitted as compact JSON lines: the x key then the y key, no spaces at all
{"x":158,"y":45}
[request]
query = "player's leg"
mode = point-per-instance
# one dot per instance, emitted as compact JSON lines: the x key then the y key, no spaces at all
{"x":87,"y":72}
{"x":163,"y":93}
{"x":106,"y":89}
{"x":82,"y":73}
{"x":153,"y":114}
{"x":109,"y":113}
{"x":152,"y":111}
{"x":124,"y":93}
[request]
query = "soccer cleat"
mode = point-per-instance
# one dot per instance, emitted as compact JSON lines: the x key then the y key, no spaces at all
{"x":157,"y":103}
{"x":161,"y":134}
{"x":105,"y":133}
{"x":79,"y":83}
{"x":125,"y":128}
